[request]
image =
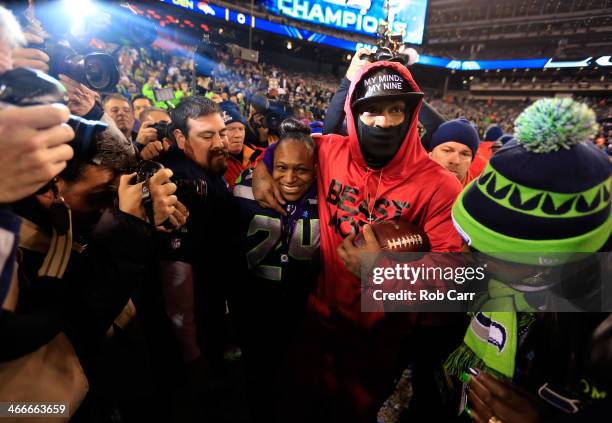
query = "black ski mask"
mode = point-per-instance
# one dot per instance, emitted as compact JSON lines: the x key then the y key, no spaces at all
{"x":379,"y":145}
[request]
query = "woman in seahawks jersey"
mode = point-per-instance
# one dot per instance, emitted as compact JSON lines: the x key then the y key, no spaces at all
{"x":281,"y":255}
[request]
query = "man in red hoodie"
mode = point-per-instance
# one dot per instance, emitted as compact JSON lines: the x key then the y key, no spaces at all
{"x":378,"y":172}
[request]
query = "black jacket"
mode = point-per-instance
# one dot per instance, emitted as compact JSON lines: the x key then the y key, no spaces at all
{"x":207,"y":243}
{"x":95,"y":288}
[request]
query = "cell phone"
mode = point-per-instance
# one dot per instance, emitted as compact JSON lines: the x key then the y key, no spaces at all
{"x":163,"y":94}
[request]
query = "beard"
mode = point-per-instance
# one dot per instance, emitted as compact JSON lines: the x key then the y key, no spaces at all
{"x":217,"y":159}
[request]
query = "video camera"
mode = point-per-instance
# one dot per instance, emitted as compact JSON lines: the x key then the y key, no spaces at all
{"x":268,"y":114}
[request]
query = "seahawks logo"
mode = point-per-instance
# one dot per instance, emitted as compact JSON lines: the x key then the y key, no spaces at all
{"x":489,"y":330}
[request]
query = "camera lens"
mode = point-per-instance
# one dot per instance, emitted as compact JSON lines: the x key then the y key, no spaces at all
{"x":95,"y":74}
{"x":84,"y":142}
{"x":100,"y":71}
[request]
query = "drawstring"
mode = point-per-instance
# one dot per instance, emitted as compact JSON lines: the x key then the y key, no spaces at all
{"x":369,"y":173}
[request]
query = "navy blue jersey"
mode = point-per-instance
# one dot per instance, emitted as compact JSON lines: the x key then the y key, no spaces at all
{"x":280,"y":250}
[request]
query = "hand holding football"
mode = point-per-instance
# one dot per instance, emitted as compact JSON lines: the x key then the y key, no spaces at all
{"x":397,"y":236}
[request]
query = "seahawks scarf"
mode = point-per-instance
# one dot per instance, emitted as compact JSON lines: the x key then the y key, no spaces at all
{"x":491,"y":339}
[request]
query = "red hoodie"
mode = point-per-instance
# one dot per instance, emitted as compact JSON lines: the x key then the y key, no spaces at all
{"x":483,"y":155}
{"x":412,"y":187}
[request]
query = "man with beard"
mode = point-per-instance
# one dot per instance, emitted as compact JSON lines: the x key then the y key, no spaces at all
{"x":380,"y":171}
{"x":194,"y":261}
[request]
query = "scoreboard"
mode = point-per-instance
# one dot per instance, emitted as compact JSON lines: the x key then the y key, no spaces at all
{"x":358,"y":16}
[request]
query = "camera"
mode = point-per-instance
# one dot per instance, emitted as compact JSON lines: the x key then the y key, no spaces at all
{"x":29,"y":87}
{"x":268,"y":119}
{"x":146,"y":169}
{"x":272,"y":113}
{"x":98,"y":71}
{"x":188,"y":191}
{"x":164,"y":130}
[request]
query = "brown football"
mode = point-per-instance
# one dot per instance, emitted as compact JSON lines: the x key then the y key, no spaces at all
{"x":397,"y":236}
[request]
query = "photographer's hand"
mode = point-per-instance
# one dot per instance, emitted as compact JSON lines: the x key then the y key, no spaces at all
{"x":33,"y":148}
{"x":80,"y":98}
{"x":357,"y":63}
{"x":31,"y":57}
{"x":161,"y":191}
{"x":152,"y":150}
{"x":146,"y":134}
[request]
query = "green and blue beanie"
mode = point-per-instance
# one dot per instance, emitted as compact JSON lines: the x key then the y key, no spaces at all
{"x":547,"y":191}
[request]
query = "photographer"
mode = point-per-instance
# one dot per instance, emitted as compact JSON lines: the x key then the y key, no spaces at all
{"x":32,"y":151}
{"x":258,"y":130}
{"x":66,"y":299}
{"x":82,"y":289}
{"x":149,"y":140}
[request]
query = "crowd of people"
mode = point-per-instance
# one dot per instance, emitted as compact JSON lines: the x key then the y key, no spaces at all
{"x":503,"y":113}
{"x":146,"y":69}
{"x":208,"y":256}
{"x":143,"y":70}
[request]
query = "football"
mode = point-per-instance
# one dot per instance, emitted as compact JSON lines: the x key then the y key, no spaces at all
{"x":397,"y":236}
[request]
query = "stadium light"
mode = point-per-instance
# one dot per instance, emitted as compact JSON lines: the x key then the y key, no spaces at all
{"x":79,"y":11}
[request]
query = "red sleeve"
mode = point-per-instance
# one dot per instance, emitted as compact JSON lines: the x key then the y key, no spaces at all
{"x":438,"y":222}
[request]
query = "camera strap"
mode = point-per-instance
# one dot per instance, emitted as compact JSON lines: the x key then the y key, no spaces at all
{"x":58,"y":246}
{"x":147,"y":202}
